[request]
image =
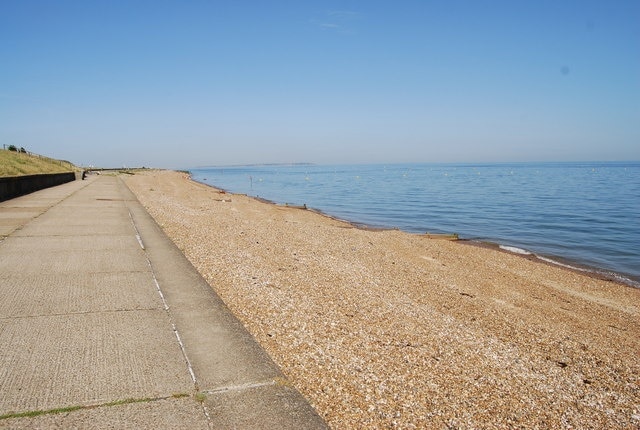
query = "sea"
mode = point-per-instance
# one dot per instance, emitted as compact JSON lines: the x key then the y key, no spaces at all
{"x":582,"y":215}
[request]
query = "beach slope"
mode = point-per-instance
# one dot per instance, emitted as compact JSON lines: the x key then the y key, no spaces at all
{"x":389,"y":329}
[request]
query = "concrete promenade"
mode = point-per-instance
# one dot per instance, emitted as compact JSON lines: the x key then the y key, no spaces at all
{"x":105,"y":324}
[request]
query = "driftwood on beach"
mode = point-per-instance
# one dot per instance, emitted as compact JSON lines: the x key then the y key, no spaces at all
{"x":388,"y":329}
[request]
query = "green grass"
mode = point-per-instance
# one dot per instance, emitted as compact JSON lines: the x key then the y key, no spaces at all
{"x":20,"y":164}
{"x":31,"y":414}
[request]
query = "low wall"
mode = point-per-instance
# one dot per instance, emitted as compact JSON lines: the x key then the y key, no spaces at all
{"x":15,"y":186}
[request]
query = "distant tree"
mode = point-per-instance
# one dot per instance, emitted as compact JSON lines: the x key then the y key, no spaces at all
{"x":24,"y":151}
{"x":12,"y":148}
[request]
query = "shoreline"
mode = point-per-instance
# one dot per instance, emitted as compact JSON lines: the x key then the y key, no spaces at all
{"x":554,"y":260}
{"x":386,"y":328}
{"x":560,"y":262}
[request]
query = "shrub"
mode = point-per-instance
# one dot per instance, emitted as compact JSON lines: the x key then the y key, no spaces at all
{"x":12,"y":148}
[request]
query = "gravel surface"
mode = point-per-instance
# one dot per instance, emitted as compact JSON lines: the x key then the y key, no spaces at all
{"x":385,"y":329}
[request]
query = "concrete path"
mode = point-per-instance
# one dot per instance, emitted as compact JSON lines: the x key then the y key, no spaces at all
{"x":105,"y":324}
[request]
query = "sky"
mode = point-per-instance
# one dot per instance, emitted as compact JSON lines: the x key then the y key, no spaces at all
{"x":181,"y":84}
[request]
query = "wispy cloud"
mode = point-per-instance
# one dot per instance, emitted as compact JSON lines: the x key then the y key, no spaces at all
{"x":340,"y":21}
{"x":343,"y":14}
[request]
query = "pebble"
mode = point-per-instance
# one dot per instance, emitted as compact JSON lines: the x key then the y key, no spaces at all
{"x":385,"y":329}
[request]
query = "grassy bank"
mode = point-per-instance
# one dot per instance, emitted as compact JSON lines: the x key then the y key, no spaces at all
{"x":17,"y":164}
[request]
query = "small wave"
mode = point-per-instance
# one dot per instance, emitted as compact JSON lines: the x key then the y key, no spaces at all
{"x":607,"y":274}
{"x":557,"y":263}
{"x":624,"y":280}
{"x":515,"y":250}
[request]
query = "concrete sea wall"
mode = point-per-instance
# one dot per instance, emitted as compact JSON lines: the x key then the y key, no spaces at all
{"x":16,"y":186}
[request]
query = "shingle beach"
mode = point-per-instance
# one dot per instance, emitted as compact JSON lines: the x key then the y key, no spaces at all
{"x":385,"y":329}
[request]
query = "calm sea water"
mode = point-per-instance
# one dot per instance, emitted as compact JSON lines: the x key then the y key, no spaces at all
{"x":580,"y":214}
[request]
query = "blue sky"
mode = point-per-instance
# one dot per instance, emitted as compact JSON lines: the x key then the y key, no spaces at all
{"x":181,"y":84}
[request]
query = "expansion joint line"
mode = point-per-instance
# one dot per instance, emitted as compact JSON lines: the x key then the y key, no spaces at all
{"x":166,"y":308}
{"x":135,"y":227}
{"x":243,"y":387}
